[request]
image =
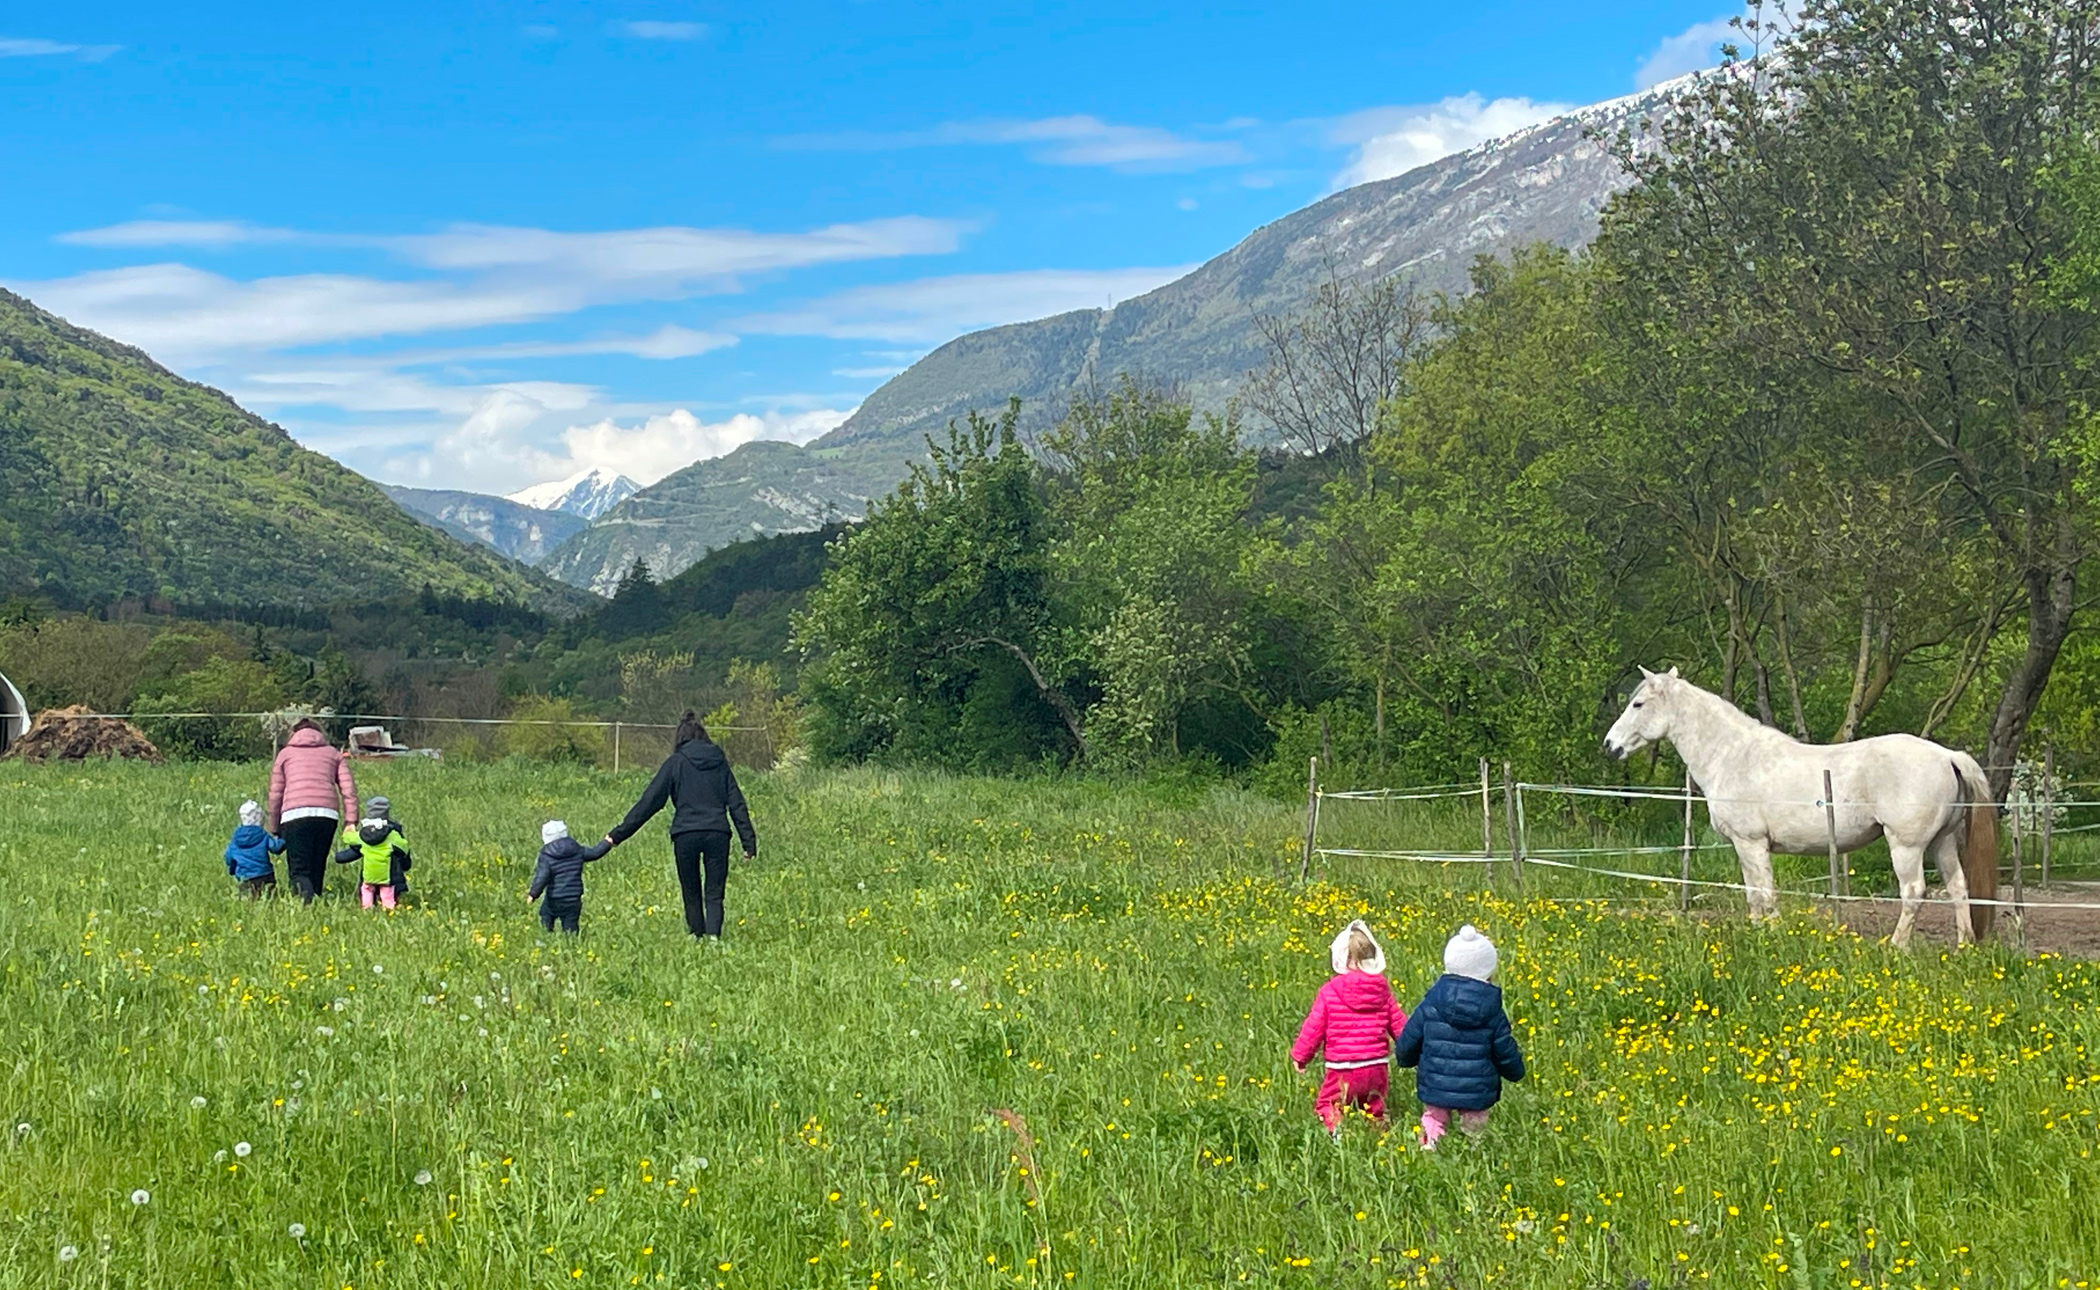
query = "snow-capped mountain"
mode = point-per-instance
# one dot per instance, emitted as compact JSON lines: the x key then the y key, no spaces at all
{"x":587,"y":496}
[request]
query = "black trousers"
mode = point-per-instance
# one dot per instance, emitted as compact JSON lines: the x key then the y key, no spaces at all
{"x":308,"y":843}
{"x":563,"y":912}
{"x":703,"y":904}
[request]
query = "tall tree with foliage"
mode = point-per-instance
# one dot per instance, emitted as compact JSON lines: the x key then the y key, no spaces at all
{"x":1150,"y":564}
{"x":1871,"y":200}
{"x":934,"y":617}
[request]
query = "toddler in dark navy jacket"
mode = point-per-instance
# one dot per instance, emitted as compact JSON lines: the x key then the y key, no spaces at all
{"x":1458,"y":1040}
{"x":559,"y":876}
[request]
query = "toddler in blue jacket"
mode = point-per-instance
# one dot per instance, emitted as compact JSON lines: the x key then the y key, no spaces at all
{"x":248,"y":854}
{"x":1459,"y":1040}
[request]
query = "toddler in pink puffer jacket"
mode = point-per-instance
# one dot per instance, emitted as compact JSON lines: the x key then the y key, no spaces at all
{"x":1354,"y":1018}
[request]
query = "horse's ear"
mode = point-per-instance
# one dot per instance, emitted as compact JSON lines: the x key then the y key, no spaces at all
{"x":1673,"y":671}
{"x":1645,"y":673}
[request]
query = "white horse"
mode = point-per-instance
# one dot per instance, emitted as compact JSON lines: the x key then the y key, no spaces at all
{"x":1764,"y":793}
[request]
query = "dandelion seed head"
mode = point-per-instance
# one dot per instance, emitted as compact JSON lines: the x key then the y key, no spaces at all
{"x":197,"y":1103}
{"x":68,"y":1253}
{"x":297,"y":1231}
{"x":141,"y":1196}
{"x":242,"y":1149}
{"x":422,"y":1178}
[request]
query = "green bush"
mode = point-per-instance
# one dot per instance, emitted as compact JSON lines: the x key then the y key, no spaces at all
{"x":220,"y":685}
{"x":537,"y":740}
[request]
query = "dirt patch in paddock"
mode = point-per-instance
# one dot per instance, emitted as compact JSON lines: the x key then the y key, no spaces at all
{"x":68,"y":734}
{"x":2074,"y":932}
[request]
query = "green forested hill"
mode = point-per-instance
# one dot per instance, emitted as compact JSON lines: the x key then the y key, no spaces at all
{"x":118,"y":477}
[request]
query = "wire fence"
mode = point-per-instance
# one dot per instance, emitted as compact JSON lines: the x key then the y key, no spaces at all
{"x":626,"y":742}
{"x":2047,"y":819}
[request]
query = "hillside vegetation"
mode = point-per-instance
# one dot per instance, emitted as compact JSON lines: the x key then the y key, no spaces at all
{"x":119,"y":478}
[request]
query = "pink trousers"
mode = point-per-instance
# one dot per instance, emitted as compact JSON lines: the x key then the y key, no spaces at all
{"x":385,"y":890}
{"x":1365,"y":1087}
{"x":1436,"y":1119}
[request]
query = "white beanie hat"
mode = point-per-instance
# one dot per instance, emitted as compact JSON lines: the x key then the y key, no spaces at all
{"x":552,"y":830}
{"x":251,"y":813}
{"x":1471,"y":954}
{"x":1338,"y":953}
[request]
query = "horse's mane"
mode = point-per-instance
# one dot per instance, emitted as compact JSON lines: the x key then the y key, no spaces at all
{"x":1713,"y":704}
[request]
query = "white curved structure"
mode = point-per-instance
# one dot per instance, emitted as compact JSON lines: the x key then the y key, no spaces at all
{"x":14,"y":714}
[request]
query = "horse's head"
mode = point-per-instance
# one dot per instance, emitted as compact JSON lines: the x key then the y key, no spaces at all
{"x":1647,"y":715}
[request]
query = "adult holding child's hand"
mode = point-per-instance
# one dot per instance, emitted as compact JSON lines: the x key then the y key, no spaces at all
{"x":696,"y":780}
{"x":311,"y":796}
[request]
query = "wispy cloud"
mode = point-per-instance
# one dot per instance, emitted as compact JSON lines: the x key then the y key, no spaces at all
{"x":1693,"y":49}
{"x":1391,"y":141}
{"x":662,"y":30}
{"x":934,"y":310}
{"x":21,"y":47}
{"x":487,"y":276}
{"x":1078,"y":140}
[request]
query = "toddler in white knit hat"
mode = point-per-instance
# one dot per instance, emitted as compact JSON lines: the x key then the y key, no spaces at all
{"x":1459,"y":1041}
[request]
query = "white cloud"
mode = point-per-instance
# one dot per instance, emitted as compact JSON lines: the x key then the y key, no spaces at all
{"x":181,"y":232}
{"x":1394,"y":140}
{"x":647,"y":450}
{"x":662,"y":30}
{"x":19,"y":47}
{"x":1078,"y":140}
{"x":494,"y":275}
{"x":1695,"y":48}
{"x":934,"y":310}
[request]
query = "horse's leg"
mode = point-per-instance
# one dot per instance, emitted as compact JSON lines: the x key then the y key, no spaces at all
{"x":1946,"y":854}
{"x":1909,"y":864}
{"x":1758,"y":887}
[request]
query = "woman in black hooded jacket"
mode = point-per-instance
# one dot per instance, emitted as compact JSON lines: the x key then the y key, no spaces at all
{"x":696,"y":780}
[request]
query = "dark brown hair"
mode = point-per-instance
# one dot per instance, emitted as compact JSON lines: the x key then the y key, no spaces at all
{"x":305,"y":723}
{"x":689,"y":729}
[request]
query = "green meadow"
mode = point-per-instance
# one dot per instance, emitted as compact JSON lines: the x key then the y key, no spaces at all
{"x":972,"y":1033}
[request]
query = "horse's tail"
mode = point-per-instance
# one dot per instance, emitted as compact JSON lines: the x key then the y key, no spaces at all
{"x":1978,"y":842}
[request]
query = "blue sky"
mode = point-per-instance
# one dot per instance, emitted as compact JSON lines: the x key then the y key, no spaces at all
{"x":482,"y":246}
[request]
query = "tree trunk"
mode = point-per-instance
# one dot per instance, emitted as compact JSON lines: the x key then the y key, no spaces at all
{"x":1786,"y":666}
{"x":2050,"y":602}
{"x":1378,"y":719}
{"x":1974,"y":651}
{"x":1764,"y":690}
{"x":1051,"y":694}
{"x":1731,"y":650}
{"x":1855,"y":706}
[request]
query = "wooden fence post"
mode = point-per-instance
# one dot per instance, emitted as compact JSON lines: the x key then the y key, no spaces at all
{"x":616,"y":747}
{"x":2048,"y":808}
{"x":1513,"y":807}
{"x":1312,"y":815}
{"x":1487,"y":830}
{"x":2019,"y":873}
{"x":1838,"y":884}
{"x":1684,"y":887}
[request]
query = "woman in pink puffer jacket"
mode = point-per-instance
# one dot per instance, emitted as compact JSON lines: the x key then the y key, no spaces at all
{"x":1354,"y":1018}
{"x":311,"y":794}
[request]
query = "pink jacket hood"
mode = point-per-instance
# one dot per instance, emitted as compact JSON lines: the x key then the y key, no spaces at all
{"x":1354,"y":1018}
{"x":310,"y":774}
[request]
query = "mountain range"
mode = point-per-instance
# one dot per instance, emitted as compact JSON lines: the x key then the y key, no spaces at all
{"x":1546,"y":183}
{"x":523,"y":532}
{"x":586,"y":496}
{"x":119,"y":478}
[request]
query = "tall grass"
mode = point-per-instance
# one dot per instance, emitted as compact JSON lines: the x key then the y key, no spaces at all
{"x":813,"y":1102}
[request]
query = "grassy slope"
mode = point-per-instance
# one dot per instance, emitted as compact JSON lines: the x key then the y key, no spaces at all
{"x":120,"y":478}
{"x":1710,"y":1104}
